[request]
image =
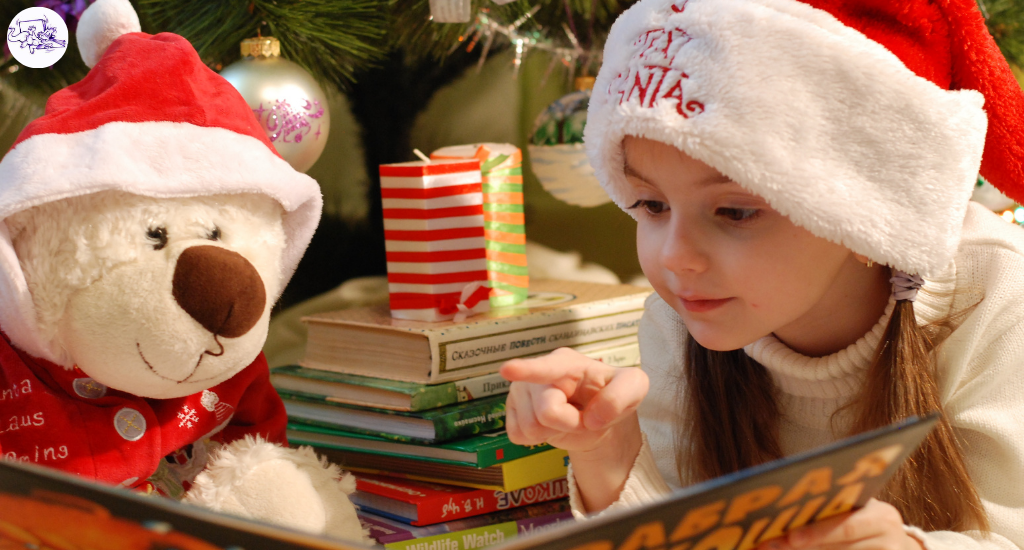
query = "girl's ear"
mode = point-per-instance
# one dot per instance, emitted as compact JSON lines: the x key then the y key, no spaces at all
{"x":864,"y":260}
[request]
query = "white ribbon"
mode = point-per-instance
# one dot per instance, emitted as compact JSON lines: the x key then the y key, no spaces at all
{"x":467,"y":292}
{"x":904,"y":285}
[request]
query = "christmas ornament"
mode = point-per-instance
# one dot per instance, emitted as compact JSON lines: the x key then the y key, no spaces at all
{"x":556,"y":150}
{"x":288,"y":103}
{"x":450,"y":11}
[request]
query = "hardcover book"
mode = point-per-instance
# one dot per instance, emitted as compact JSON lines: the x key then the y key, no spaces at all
{"x":529,"y":519}
{"x":431,"y":426}
{"x":381,"y":393}
{"x":423,"y":503}
{"x":505,"y":476}
{"x":735,"y":511}
{"x":369,"y":342}
{"x":479,"y":452}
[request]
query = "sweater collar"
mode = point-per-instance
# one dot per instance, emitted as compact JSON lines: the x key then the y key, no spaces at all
{"x":842,"y":373}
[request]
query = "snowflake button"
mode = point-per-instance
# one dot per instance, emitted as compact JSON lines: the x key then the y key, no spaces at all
{"x":188,"y":417}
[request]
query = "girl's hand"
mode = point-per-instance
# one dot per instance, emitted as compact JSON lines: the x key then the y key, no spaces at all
{"x":585,"y":407}
{"x":568,"y":399}
{"x":876,"y":526}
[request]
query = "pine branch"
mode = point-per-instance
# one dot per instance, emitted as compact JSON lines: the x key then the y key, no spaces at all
{"x":330,"y":38}
{"x":1006,"y":23}
{"x":418,"y":36}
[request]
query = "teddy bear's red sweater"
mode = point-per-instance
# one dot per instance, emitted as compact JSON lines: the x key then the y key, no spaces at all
{"x":63,"y":419}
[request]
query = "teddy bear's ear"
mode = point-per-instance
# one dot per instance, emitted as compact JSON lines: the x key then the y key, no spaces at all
{"x":101,"y":24}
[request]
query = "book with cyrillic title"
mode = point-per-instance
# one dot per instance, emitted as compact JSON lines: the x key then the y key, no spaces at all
{"x":424,"y":503}
{"x":369,"y":342}
{"x":382,"y":393}
{"x":479,"y":452}
{"x":430,"y":426}
{"x":529,"y":518}
{"x":505,"y":476}
{"x":369,"y":391}
{"x":398,"y":536}
{"x":738,"y":510}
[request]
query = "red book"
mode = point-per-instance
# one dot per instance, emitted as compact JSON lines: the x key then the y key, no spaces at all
{"x":424,"y":503}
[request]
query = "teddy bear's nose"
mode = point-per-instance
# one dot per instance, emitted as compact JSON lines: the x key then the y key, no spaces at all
{"x":220,"y":289}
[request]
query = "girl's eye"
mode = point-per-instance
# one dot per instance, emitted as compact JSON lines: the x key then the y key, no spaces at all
{"x":158,"y":235}
{"x":651,"y":207}
{"x":738,"y":214}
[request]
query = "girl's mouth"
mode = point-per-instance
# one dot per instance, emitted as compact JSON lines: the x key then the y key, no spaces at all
{"x":700,"y":306}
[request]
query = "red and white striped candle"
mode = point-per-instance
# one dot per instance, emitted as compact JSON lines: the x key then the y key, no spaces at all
{"x":434,"y":239}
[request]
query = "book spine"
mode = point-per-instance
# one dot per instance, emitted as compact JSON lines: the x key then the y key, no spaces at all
{"x":434,"y":396}
{"x":506,"y":453}
{"x":534,"y":469}
{"x":486,"y":417}
{"x":627,"y":355}
{"x":481,"y":386}
{"x":453,"y":507}
{"x":532,"y":526}
{"x":552,"y":508}
{"x":469,"y":539}
{"x":384,"y":532}
{"x":481,"y":537}
{"x":388,"y":533}
{"x":459,"y":354}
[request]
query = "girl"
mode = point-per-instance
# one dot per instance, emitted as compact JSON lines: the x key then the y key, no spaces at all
{"x":800,"y":174}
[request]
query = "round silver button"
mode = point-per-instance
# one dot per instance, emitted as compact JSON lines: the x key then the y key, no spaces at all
{"x":130,"y":424}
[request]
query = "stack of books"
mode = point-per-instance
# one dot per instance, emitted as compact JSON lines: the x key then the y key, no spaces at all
{"x":417,"y":409}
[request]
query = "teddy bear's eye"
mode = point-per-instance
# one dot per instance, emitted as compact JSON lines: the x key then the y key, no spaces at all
{"x":214,"y":235}
{"x":158,"y":235}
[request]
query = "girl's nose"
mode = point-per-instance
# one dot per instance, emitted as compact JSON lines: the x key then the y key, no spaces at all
{"x":684,"y":251}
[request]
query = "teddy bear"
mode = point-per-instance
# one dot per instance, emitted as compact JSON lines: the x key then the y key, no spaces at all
{"x":147,"y":226}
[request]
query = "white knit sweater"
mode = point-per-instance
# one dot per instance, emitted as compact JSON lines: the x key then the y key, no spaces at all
{"x":980,"y":372}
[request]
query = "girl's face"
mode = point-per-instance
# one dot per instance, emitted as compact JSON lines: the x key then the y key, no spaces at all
{"x":732,"y":267}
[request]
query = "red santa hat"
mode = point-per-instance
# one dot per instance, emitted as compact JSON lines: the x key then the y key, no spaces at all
{"x":150,"y":119}
{"x":863,"y":121}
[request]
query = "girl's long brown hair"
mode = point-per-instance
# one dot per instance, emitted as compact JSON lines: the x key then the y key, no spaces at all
{"x":734,"y":422}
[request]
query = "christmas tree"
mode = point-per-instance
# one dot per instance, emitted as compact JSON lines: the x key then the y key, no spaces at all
{"x":395,"y":79}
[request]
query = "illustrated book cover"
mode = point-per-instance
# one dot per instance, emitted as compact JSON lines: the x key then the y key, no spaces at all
{"x":735,"y":511}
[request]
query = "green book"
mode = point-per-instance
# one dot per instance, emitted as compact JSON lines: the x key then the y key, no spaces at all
{"x":431,"y":426}
{"x":368,"y":391}
{"x":480,"y":451}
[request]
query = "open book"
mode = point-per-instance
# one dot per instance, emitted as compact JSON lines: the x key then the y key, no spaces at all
{"x":737,"y":511}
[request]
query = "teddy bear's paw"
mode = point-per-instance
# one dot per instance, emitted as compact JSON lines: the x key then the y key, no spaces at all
{"x":290,"y":487}
{"x":334,"y":486}
{"x":255,"y":479}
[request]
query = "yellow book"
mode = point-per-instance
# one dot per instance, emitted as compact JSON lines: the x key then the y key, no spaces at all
{"x":507,"y":476}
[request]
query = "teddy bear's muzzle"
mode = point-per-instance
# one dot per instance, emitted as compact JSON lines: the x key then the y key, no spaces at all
{"x":220,"y":289}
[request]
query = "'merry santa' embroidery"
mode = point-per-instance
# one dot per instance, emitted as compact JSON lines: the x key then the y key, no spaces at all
{"x":651,"y":77}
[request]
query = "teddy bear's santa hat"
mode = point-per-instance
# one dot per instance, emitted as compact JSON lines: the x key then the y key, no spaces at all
{"x":150,"y":119}
{"x":860,"y":120}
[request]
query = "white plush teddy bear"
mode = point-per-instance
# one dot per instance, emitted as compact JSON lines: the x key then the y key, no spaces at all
{"x":147,"y":228}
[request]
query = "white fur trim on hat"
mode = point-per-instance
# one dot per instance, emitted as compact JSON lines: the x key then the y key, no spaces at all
{"x":154,"y":159}
{"x":828,"y":126}
{"x":101,"y":24}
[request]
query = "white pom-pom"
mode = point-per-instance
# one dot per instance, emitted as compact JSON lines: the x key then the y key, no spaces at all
{"x":101,"y":24}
